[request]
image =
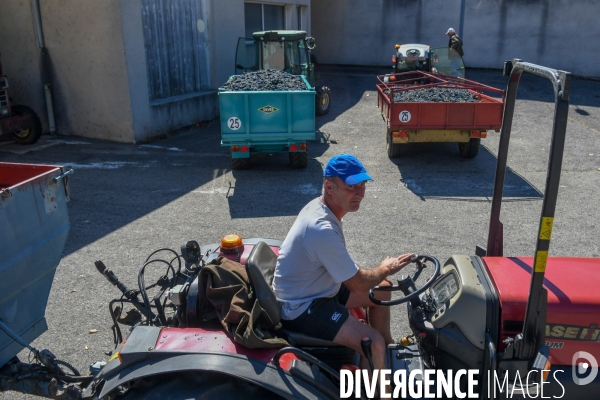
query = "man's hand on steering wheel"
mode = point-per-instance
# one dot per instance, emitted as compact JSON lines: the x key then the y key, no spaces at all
{"x":406,"y":283}
{"x":395,"y":264}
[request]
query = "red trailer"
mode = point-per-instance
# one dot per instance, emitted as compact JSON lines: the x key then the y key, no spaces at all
{"x":424,"y":120}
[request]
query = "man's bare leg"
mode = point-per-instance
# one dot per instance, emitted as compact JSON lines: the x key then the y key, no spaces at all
{"x":379,"y":316}
{"x":351,"y":334}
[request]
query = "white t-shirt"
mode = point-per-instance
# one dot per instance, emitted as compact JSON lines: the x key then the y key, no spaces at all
{"x":313,"y":260}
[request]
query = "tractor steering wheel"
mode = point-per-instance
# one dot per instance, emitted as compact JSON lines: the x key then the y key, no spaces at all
{"x":407,"y":283}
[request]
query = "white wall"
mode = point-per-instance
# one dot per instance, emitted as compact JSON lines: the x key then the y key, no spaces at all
{"x":85,"y":48}
{"x":99,"y":70}
{"x":90,"y":92}
{"x":560,"y":34}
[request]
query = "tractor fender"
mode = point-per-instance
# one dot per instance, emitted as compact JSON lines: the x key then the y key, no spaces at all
{"x":258,"y":372}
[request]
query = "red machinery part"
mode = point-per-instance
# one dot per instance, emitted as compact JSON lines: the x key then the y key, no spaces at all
{"x":573,"y":316}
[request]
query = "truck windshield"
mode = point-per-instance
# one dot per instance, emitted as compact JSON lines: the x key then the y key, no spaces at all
{"x":447,"y":61}
{"x":273,"y":56}
{"x":246,"y":56}
{"x":292,"y":61}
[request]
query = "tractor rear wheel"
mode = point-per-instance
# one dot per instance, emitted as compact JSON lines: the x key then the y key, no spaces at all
{"x":195,"y":385}
{"x":299,"y":159}
{"x":322,"y":100}
{"x":393,"y":149}
{"x":469,"y":149}
{"x":240,"y":163}
{"x":28,"y":135}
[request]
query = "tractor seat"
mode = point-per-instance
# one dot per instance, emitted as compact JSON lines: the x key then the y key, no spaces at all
{"x":260,"y":267}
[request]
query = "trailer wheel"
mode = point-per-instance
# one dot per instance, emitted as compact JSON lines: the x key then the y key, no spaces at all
{"x":322,"y":100}
{"x":240,"y":163}
{"x":393,"y":149}
{"x":298,"y":159}
{"x":200,"y":386}
{"x":29,"y":135}
{"x":469,"y":149}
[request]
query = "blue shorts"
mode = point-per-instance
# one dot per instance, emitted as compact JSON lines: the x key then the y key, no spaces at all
{"x":324,"y":317}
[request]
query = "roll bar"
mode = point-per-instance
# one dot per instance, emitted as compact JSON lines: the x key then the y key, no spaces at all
{"x":533,"y":335}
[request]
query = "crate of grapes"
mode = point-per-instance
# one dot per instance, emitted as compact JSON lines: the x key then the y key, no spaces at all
{"x":267,"y":111}
{"x":419,"y":106}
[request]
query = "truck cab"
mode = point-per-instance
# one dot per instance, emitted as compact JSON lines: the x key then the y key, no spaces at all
{"x":421,"y":57}
{"x":283,"y":50}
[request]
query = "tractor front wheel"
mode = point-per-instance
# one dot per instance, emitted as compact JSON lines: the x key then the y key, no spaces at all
{"x":27,"y":135}
{"x":323,"y":100}
{"x":469,"y":149}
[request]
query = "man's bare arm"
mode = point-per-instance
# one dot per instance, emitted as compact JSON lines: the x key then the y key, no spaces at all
{"x":366,"y":279}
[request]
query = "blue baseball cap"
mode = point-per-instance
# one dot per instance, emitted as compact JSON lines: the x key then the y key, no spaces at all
{"x":348,"y":168}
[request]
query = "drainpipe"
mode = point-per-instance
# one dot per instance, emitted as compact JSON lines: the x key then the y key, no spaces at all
{"x":35,"y":5}
{"x":44,"y":65}
{"x":462,"y":18}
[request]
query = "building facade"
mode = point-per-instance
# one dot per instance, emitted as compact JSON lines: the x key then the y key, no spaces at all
{"x":129,"y":70}
{"x":134,"y":70}
{"x":559,"y":34}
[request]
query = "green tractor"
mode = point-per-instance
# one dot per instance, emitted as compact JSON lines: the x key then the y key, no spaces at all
{"x":287,"y":51}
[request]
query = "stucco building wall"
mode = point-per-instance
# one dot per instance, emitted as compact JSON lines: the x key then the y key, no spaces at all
{"x":559,"y":34}
{"x":97,"y":62}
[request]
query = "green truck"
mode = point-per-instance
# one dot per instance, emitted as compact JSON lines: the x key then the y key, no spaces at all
{"x":254,"y":122}
{"x":272,"y":121}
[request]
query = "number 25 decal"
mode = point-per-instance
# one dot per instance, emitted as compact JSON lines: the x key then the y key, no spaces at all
{"x":404,"y":116}
{"x":234,"y":123}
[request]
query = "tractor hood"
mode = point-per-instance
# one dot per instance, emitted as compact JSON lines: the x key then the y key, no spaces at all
{"x":573,"y":315}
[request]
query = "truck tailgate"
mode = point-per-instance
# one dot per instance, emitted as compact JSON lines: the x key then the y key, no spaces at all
{"x":484,"y":114}
{"x":267,"y":116}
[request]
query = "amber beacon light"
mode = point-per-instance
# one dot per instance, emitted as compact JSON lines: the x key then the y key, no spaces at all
{"x":232,"y":243}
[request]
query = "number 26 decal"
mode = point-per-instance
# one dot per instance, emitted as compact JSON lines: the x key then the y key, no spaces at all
{"x":234,"y":123}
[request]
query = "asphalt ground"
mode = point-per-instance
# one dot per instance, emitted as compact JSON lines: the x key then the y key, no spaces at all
{"x":128,"y":200}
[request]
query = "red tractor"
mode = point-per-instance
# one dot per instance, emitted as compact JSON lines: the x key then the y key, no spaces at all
{"x":20,"y":122}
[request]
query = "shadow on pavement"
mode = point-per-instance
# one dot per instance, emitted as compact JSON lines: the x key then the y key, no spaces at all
{"x":271,"y":188}
{"x":434,"y":171}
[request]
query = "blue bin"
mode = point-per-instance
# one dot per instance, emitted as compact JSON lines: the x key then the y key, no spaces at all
{"x":34,"y":223}
{"x":267,"y":121}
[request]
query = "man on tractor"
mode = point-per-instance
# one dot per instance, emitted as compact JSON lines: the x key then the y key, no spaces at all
{"x":316,"y":281}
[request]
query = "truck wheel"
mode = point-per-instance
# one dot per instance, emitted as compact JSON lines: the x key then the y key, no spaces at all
{"x":393,"y":149}
{"x":322,"y":100}
{"x":298,"y":160}
{"x":240,"y":163}
{"x":195,"y":385}
{"x":469,"y":149}
{"x":29,"y":135}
